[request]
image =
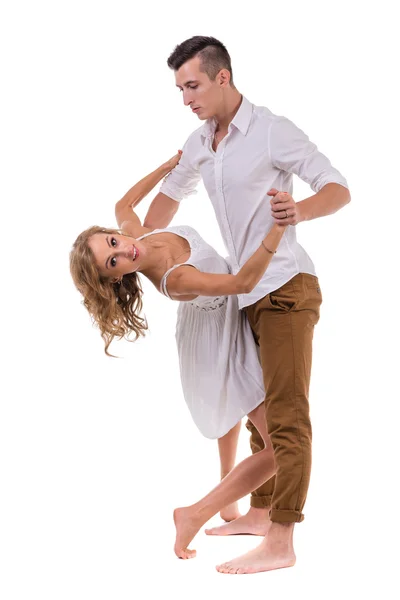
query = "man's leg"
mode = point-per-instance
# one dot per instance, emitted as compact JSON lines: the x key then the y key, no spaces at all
{"x":283,"y":323}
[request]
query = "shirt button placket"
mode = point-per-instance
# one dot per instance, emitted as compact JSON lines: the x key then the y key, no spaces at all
{"x":221,"y":199}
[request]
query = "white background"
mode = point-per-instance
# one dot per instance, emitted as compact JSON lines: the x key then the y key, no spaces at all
{"x":96,"y":452}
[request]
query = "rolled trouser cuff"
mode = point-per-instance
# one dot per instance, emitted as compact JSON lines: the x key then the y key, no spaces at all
{"x":260,"y":501}
{"x":286,"y":516}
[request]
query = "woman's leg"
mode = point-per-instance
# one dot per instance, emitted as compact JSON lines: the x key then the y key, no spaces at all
{"x":256,"y":521}
{"x":227,"y":447}
{"x":244,"y":478}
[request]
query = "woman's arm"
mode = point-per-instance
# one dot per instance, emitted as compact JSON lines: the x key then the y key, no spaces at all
{"x":123,"y":208}
{"x":185,"y":281}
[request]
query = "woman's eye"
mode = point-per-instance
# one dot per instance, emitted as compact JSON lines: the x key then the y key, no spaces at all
{"x":113,"y":242}
{"x":113,"y":262}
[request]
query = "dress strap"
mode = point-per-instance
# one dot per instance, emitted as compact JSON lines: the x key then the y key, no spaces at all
{"x":151,"y":233}
{"x":163,"y":284}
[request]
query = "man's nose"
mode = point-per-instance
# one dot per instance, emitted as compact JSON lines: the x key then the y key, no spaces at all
{"x":187,"y":99}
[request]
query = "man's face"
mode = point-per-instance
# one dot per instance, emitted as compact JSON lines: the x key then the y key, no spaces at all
{"x":199,"y":92}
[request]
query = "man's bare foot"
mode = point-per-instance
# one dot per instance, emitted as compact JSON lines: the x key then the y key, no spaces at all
{"x":186,"y":528}
{"x":266,"y":557}
{"x":255,"y":522}
{"x":230,"y":512}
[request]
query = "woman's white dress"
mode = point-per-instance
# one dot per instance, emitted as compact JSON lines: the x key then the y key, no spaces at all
{"x":219,"y":364}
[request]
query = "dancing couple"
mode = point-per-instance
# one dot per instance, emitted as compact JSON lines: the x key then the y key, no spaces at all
{"x":244,"y":324}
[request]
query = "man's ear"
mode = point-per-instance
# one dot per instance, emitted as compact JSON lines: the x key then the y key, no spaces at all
{"x":224,"y":77}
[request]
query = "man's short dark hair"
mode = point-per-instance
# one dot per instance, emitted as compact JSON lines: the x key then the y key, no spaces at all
{"x":212,"y":53}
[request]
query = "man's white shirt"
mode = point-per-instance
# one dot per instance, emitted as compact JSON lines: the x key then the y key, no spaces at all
{"x":261,"y":151}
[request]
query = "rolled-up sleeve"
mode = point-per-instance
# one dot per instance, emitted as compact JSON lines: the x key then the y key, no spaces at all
{"x":292,"y":151}
{"x":182,"y":181}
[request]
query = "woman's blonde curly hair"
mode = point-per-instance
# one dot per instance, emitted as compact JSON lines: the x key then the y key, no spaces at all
{"x":115,"y":307}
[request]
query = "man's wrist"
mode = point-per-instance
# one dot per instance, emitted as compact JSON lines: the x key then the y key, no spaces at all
{"x":301,"y":211}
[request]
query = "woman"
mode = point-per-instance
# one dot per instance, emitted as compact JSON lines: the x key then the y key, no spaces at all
{"x":220,"y":371}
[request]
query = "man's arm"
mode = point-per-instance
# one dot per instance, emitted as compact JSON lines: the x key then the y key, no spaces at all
{"x":292,"y":151}
{"x":179,"y":184}
{"x":331,"y":198}
{"x":161,"y":212}
{"x":286,"y":211}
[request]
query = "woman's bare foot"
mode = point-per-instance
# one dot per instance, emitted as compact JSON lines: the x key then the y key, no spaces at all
{"x":266,"y":557}
{"x":187,"y":525}
{"x":255,"y":522}
{"x":230,"y":513}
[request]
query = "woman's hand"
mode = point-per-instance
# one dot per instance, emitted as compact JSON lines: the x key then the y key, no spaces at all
{"x":172,"y":162}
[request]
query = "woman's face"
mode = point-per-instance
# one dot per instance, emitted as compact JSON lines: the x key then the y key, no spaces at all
{"x":117,"y":255}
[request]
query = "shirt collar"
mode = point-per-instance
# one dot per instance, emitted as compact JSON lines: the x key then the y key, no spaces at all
{"x":241,"y":120}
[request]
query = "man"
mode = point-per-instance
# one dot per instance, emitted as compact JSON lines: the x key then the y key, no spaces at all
{"x":244,"y":152}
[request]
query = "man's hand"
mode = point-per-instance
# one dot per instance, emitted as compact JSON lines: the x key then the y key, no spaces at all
{"x":283,"y":208}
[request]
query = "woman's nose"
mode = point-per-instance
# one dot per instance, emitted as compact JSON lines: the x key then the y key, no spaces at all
{"x":123,"y":252}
